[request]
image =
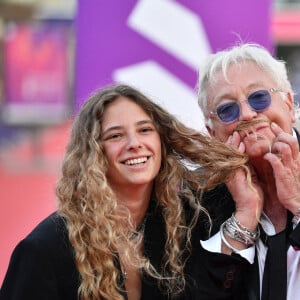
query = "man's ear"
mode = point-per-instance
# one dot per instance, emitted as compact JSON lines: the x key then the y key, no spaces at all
{"x":290,"y":103}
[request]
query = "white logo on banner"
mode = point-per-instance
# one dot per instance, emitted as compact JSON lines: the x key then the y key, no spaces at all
{"x":178,"y":31}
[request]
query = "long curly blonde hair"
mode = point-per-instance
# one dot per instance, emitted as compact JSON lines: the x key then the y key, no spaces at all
{"x":95,"y":221}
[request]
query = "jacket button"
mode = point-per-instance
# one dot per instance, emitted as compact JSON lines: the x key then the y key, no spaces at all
{"x":229,"y":275}
{"x":227,"y":284}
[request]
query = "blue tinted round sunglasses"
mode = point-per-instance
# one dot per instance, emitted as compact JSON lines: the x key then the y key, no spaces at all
{"x":229,"y":111}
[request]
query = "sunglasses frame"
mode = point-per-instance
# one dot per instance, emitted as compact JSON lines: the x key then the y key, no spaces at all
{"x":270,"y":91}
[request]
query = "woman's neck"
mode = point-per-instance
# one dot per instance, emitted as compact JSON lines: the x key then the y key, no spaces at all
{"x":136,"y":199}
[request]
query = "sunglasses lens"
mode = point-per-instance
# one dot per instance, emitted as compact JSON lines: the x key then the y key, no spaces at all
{"x":228,"y":112}
{"x":259,"y":100}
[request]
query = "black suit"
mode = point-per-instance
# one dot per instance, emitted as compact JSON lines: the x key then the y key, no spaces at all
{"x":42,"y":266}
{"x":214,"y":276}
{"x":220,"y":206}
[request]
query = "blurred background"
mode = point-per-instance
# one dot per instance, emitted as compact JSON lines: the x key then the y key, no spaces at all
{"x":54,"y":54}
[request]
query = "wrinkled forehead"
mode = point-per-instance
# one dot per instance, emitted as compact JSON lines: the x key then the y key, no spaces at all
{"x":238,"y":80}
{"x":240,"y":74}
{"x":230,"y":70}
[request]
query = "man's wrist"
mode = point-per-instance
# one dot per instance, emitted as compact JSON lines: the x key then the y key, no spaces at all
{"x":235,"y":230}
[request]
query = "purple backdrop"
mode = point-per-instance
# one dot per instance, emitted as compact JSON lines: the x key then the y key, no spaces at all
{"x":106,"y":42}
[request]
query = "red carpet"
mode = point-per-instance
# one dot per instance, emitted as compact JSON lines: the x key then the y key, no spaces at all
{"x":27,"y":182}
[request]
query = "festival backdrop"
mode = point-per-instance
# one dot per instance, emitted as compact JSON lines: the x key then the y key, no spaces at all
{"x":156,"y":45}
{"x":159,"y":45}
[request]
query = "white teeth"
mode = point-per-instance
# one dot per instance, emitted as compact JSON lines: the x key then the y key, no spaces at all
{"x":136,"y":161}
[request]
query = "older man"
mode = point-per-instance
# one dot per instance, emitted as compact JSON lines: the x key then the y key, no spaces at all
{"x":247,"y":102}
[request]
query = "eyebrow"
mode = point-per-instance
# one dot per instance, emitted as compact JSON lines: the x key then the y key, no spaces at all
{"x":257,"y":84}
{"x":142,"y":122}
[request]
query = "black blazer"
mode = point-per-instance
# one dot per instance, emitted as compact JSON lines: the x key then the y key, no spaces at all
{"x":42,"y":266}
{"x":220,"y":206}
{"x":214,"y":276}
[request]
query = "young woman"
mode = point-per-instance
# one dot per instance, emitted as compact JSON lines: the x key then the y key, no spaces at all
{"x":127,"y":208}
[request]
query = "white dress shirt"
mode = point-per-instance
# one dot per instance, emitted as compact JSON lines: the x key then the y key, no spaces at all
{"x":293,"y":258}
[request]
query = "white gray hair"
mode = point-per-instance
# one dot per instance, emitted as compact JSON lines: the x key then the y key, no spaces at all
{"x":222,"y":60}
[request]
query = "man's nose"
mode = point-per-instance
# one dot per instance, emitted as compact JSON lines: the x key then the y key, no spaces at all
{"x":246,"y":112}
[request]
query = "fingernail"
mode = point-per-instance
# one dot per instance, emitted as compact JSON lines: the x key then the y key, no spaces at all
{"x":274,"y":125}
